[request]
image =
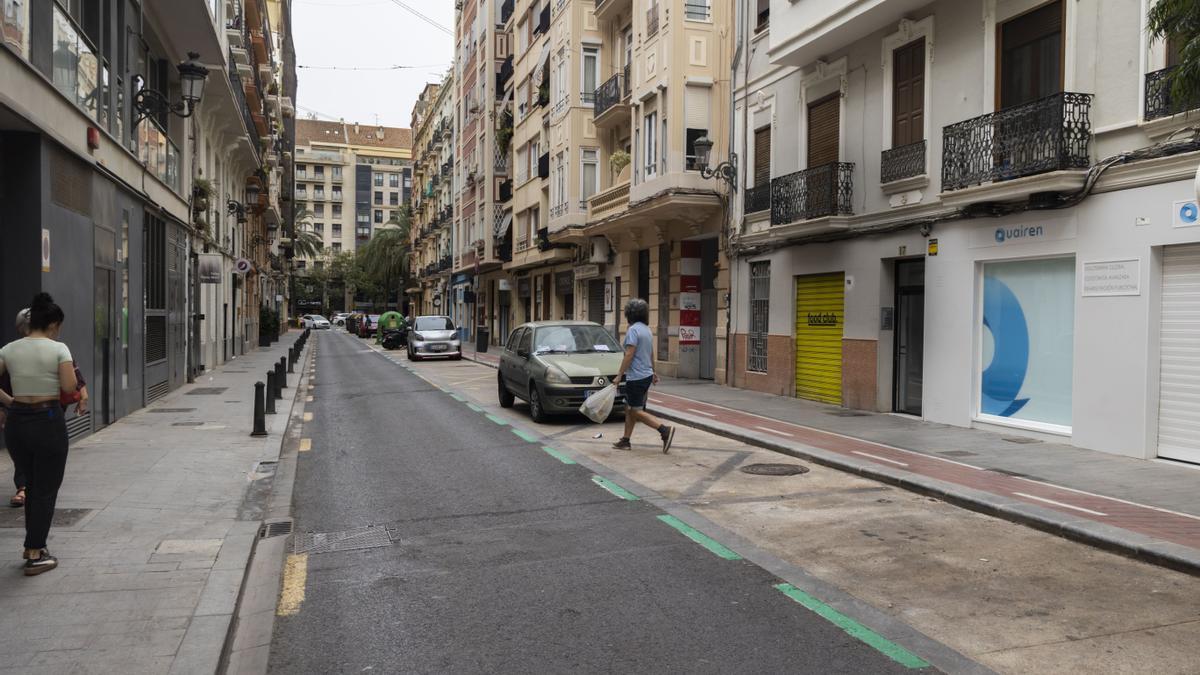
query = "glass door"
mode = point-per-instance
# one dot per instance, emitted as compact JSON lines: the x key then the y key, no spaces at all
{"x":910,"y":336}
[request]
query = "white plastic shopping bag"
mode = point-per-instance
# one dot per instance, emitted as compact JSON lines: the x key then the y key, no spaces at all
{"x":599,"y":405}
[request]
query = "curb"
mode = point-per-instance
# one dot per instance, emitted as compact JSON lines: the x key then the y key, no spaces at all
{"x":247,"y":645}
{"x":1107,"y":537}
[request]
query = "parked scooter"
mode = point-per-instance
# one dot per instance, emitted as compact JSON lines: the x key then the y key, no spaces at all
{"x":395,"y":338}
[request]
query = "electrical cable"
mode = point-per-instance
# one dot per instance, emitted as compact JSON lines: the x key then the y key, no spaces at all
{"x":373,"y":68}
{"x":424,"y":18}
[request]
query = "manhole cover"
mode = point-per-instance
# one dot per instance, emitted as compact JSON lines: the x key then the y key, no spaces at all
{"x":347,"y":540}
{"x":275,"y":529}
{"x":774,"y":469}
{"x":62,"y":517}
{"x":171,"y":410}
{"x":207,"y":391}
{"x":186,"y":424}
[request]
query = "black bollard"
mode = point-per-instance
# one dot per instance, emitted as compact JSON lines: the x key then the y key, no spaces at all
{"x":278,"y":391}
{"x":271,"y":391}
{"x":291,"y":359}
{"x":260,"y":422}
{"x":281,"y":373}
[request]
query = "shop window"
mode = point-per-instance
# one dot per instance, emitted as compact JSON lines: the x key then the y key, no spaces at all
{"x":1028,"y":333}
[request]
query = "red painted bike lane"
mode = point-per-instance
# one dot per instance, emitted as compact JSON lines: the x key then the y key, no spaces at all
{"x":1161,"y":524}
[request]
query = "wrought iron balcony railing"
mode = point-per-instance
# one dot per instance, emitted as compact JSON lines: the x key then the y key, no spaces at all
{"x":607,"y":95}
{"x":902,"y":162}
{"x":1049,"y":134}
{"x":1159,"y":102}
{"x":813,"y":193}
{"x":758,"y":198}
{"x":627,"y":83}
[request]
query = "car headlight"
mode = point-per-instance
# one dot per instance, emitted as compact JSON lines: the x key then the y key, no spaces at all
{"x":417,"y":337}
{"x":556,"y":376}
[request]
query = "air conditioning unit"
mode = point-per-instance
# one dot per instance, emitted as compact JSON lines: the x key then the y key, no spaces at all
{"x":600,"y":250}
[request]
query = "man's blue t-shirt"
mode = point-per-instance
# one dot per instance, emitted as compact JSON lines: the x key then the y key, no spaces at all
{"x":642,"y":365}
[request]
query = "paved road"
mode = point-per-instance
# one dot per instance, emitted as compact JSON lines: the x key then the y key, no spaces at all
{"x":504,"y":559}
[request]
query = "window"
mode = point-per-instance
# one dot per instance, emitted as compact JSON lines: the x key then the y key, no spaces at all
{"x":764,"y":15}
{"x":762,"y":156}
{"x":561,"y":84}
{"x":379,"y":215}
{"x":522,"y":99}
{"x":760,"y":297}
{"x":1027,"y":333}
{"x":319,"y":172}
{"x":695,"y":122}
{"x":337,"y":230}
{"x":378,"y":198}
{"x":407,"y":180}
{"x":301,"y":172}
{"x":319,"y":192}
{"x":824,"y":135}
{"x":651,"y":128}
{"x":590,"y":173}
{"x":908,"y":93}
{"x":301,"y":192}
{"x":697,"y":10}
{"x":394,"y":198}
{"x":337,"y":247}
{"x":319,"y":210}
{"x":337,"y":173}
{"x":394,"y":180}
{"x":300,"y":264}
{"x":337,"y":208}
{"x":319,"y":228}
{"x":1031,"y":56}
{"x":591,"y":73}
{"x":522,"y":165}
{"x":378,"y":180}
{"x":559,"y":186}
{"x":319,"y":264}
{"x":75,"y":67}
{"x":337,"y":195}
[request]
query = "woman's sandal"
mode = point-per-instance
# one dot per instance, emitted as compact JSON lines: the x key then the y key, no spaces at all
{"x":18,"y":499}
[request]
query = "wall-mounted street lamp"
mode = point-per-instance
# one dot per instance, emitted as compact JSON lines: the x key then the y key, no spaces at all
{"x":235,"y":208}
{"x":727,"y":170}
{"x":192,"y":75}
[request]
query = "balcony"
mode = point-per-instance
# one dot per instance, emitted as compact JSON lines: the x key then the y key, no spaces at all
{"x":609,"y":107}
{"x":902,"y":163}
{"x":607,"y":9}
{"x":758,"y":198}
{"x":611,"y":202}
{"x":818,"y":192}
{"x":1159,"y":103}
{"x":808,"y":30}
{"x":1050,"y":134}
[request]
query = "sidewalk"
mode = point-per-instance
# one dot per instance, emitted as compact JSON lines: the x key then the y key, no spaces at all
{"x":155,"y":525}
{"x":1143,"y":508}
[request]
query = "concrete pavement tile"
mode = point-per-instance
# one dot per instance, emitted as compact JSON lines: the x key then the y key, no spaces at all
{"x":252,"y":661}
{"x":220,"y":592}
{"x":235,"y":552}
{"x":202,"y":646}
{"x":157,"y":642}
{"x":254,"y":630}
{"x":87,"y":662}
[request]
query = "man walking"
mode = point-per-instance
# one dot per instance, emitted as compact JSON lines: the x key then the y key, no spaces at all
{"x":638,"y":370}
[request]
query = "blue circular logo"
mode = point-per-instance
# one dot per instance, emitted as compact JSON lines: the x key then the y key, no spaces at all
{"x":1188,"y":212}
{"x":1000,"y":235}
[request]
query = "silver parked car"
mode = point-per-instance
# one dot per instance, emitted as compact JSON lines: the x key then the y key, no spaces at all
{"x":555,"y":365}
{"x":433,"y":336}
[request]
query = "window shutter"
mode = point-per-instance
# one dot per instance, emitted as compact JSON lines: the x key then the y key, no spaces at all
{"x":823,"y":131}
{"x":908,"y":93}
{"x":696,"y":107}
{"x":762,"y":156}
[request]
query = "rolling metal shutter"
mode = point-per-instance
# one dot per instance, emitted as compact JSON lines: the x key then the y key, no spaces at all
{"x":1179,"y":354}
{"x":820,"y":316}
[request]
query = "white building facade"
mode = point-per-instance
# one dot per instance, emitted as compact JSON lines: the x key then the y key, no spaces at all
{"x":980,"y":213}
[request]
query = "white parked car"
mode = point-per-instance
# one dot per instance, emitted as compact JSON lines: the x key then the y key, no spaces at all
{"x":315,"y":322}
{"x":339,"y":319}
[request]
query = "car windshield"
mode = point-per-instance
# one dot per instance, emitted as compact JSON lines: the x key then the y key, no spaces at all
{"x":318,"y":317}
{"x":579,"y":339}
{"x":434,"y":323}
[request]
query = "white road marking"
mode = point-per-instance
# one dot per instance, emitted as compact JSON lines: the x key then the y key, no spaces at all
{"x":700,"y":412}
{"x":774,"y":431}
{"x":1065,"y":506}
{"x":878,"y":458}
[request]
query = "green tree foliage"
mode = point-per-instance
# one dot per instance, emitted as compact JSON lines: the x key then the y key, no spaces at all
{"x":1178,"y":22}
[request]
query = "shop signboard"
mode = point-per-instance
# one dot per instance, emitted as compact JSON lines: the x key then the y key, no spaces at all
{"x":1051,"y":229}
{"x":209,"y":268}
{"x":1185,"y":213}
{"x":1112,"y":277}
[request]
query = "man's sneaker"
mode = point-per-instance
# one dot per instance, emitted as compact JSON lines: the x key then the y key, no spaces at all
{"x":668,"y":436}
{"x":622,"y":444}
{"x":36,"y":566}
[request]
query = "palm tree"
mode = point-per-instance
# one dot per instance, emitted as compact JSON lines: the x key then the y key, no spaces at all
{"x":308,"y":244}
{"x":386,"y":256}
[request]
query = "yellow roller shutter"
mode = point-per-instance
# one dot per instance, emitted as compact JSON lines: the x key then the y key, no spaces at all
{"x":820,"y":314}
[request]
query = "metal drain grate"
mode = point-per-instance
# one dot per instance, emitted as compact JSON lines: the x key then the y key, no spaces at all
{"x":171,"y":410}
{"x":774,"y":469}
{"x":957,"y":453}
{"x":372,"y":536}
{"x":269,"y":530}
{"x":207,"y":391}
{"x":1021,"y":440}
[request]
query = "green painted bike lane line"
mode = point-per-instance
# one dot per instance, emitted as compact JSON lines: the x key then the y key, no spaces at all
{"x":855,"y":629}
{"x":700,"y":538}
{"x":557,"y":455}
{"x":614,"y":488}
{"x":524,"y":435}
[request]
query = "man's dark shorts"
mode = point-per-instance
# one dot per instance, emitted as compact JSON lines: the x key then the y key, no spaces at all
{"x":636,"y":392}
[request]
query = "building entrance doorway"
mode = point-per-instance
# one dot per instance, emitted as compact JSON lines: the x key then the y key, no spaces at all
{"x":908,"y":357}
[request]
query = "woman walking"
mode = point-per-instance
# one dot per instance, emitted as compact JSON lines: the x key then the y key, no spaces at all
{"x":36,"y":431}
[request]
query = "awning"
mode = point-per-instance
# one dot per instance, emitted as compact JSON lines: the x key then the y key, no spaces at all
{"x":505,"y":223}
{"x":543,"y":61}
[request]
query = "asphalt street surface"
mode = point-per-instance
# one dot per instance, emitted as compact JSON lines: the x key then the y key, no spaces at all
{"x":500,"y":558}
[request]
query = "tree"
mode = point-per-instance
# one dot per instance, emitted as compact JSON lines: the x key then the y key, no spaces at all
{"x":1178,"y":22}
{"x":385,"y":257}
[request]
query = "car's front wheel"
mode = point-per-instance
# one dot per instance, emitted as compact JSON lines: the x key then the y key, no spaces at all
{"x":537,"y":412}
{"x":505,"y":396}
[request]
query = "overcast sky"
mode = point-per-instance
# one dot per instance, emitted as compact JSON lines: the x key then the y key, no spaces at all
{"x":368,"y":34}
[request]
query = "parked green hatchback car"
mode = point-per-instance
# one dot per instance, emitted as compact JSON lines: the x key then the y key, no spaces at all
{"x":555,"y":365}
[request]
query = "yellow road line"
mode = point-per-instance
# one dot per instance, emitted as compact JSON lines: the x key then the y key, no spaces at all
{"x":307,"y":417}
{"x":308,"y":400}
{"x":295,"y":574}
{"x":305,"y":444}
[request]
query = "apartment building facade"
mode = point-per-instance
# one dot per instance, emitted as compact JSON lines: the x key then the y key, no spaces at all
{"x":431,"y":256}
{"x":972,"y":212}
{"x":350,"y":180}
{"x":137,"y":191}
